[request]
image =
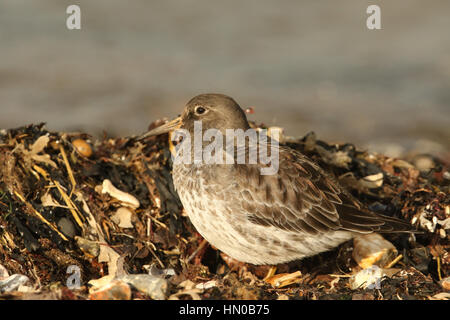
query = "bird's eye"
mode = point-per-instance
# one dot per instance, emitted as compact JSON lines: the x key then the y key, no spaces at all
{"x":200,"y":110}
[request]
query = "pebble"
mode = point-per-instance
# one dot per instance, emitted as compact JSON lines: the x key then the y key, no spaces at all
{"x":67,"y":228}
{"x":445,"y":283}
{"x":97,"y":284}
{"x":114,"y":290}
{"x":369,"y":278}
{"x":424,"y":162}
{"x":154,"y":287}
{"x":122,"y":218}
{"x":153,"y":270}
{"x":441,"y":296}
{"x":373,"y":249}
{"x":446,"y":175}
{"x":90,"y":247}
{"x":206,"y":285}
{"x":372,"y":181}
{"x":82,"y":147}
{"x":13,"y":283}
{"x":3,"y":272}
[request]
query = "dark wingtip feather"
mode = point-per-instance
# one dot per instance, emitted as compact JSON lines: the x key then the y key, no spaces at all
{"x":397,"y":225}
{"x":357,"y":220}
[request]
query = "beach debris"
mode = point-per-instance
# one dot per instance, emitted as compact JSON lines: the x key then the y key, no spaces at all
{"x":373,"y":249}
{"x":113,"y":290}
{"x":284,"y":279}
{"x":91,"y":248}
{"x":82,"y":147}
{"x":371,"y":277}
{"x":122,"y":217}
{"x":372,"y":181}
{"x":445,"y":283}
{"x":13,"y":282}
{"x":154,"y":287}
{"x":3,"y":273}
{"x":153,"y":270}
{"x":54,"y":216}
{"x":125,"y":198}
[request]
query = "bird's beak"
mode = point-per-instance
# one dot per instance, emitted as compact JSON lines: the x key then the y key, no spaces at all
{"x":167,"y":127}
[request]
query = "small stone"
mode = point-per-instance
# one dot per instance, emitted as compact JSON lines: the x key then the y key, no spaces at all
{"x":13,"y":283}
{"x":153,"y":270}
{"x":445,"y":224}
{"x":87,"y":246}
{"x":373,"y":249}
{"x":154,"y":287}
{"x":446,"y":175}
{"x":66,"y":227}
{"x":369,"y":278}
{"x":420,"y":258}
{"x":3,"y":273}
{"x":445,"y":283}
{"x":206,"y":285}
{"x":114,"y":290}
{"x":82,"y":147}
{"x":372,"y":181}
{"x":122,"y":218}
{"x":441,"y":296}
{"x":424,"y":162}
{"x":97,"y":284}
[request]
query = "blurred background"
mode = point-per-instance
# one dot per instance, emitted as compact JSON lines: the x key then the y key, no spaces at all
{"x":302,"y":65}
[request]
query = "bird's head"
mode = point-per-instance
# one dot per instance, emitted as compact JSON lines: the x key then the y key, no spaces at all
{"x":215,"y":111}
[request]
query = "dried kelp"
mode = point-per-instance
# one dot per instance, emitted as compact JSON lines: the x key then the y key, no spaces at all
{"x":108,"y":207}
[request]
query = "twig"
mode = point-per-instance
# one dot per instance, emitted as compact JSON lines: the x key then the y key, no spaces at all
{"x":288,"y":279}
{"x":159,"y":223}
{"x":393,"y":262}
{"x":69,"y":204}
{"x":69,"y":169}
{"x":200,"y":247}
{"x":149,"y":246}
{"x":270,"y":273}
{"x":41,"y":171}
{"x":340,"y":275}
{"x":438,"y":259}
{"x":39,"y":215}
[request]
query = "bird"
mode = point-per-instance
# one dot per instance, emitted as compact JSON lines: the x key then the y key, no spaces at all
{"x":299,"y":211}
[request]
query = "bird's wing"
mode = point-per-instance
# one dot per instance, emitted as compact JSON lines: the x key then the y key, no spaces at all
{"x":301,"y":197}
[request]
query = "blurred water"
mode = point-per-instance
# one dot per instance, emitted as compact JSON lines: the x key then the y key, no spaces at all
{"x":303,"y":65}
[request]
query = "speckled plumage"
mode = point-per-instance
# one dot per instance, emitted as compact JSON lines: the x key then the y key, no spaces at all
{"x":266,"y":219}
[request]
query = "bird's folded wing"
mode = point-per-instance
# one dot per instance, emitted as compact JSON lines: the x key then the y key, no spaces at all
{"x":301,"y":197}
